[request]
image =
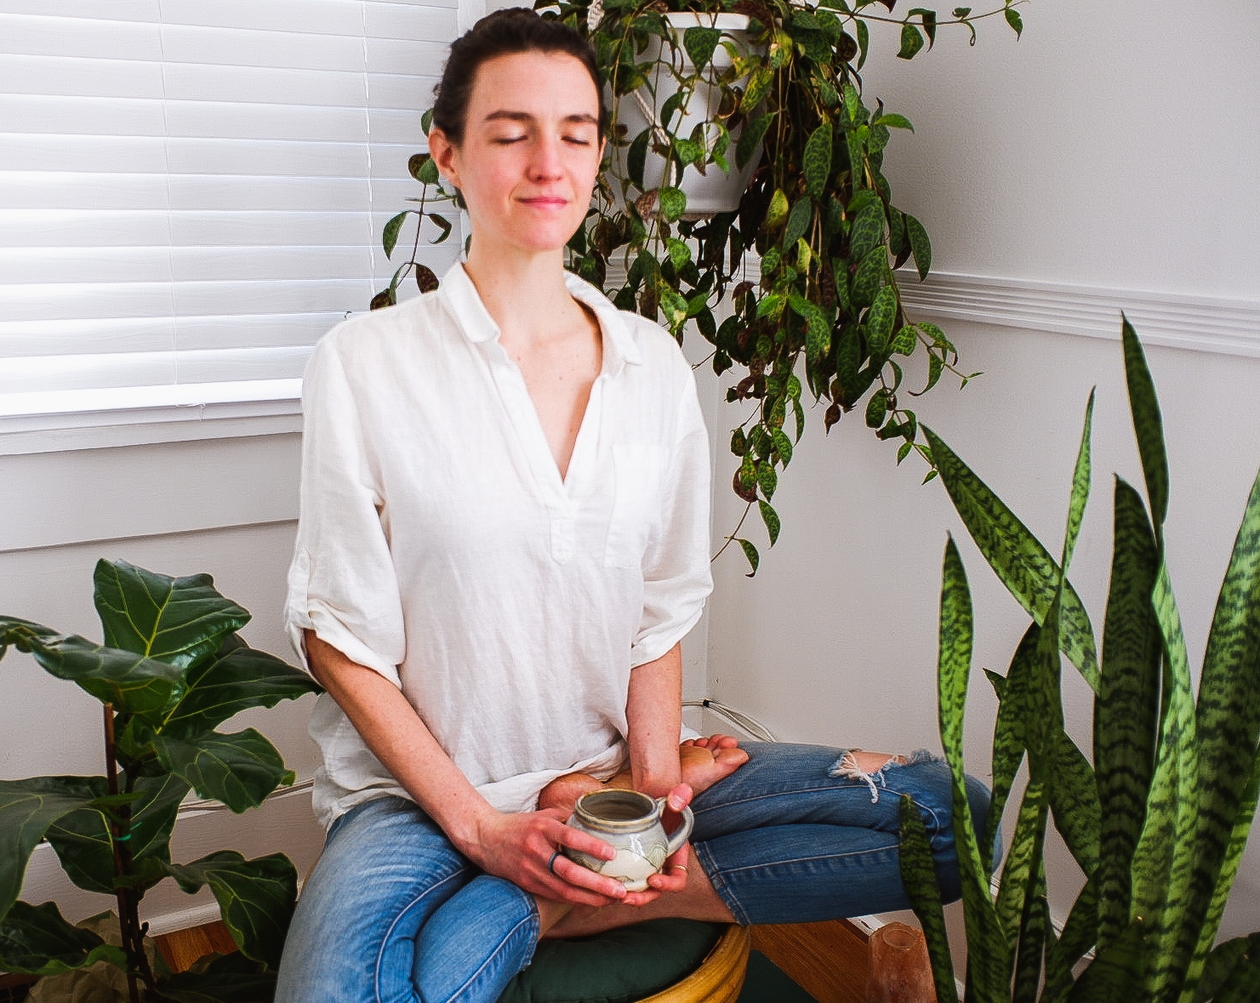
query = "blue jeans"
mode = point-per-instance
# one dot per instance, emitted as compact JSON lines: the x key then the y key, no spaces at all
{"x":394,"y":913}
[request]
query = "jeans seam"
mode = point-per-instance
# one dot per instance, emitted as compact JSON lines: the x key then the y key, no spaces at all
{"x":376,"y":975}
{"x":824,"y":789}
{"x":497,"y":951}
{"x":724,"y":891}
{"x":764,"y":866}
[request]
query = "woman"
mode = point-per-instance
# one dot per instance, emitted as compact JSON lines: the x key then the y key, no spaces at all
{"x":503,"y":539}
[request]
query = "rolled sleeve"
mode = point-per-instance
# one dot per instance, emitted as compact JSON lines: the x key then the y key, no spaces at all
{"x":342,"y":582}
{"x":676,"y":577}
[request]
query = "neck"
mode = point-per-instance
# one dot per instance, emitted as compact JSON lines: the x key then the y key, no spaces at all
{"x":524,"y":294}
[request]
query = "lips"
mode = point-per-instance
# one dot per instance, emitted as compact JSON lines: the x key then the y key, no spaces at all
{"x":547,"y":201}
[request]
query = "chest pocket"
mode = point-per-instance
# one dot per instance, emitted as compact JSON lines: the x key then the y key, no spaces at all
{"x":638,"y":469}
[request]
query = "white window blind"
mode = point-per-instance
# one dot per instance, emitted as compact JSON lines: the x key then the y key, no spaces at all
{"x":191,"y":193}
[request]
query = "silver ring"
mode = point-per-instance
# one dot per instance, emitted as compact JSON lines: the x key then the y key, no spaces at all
{"x":681,"y":867}
{"x":551,"y":864}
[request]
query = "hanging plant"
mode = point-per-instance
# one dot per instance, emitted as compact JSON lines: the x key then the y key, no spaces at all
{"x":806,"y":263}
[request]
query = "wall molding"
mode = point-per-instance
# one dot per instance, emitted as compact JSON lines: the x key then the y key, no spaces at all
{"x":1175,"y":320}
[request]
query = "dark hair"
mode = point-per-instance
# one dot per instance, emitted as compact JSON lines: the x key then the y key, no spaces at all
{"x":504,"y":32}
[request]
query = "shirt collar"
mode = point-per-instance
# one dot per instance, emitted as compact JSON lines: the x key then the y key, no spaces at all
{"x":479,"y":327}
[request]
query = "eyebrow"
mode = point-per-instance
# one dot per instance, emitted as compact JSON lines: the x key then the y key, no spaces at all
{"x":523,"y":116}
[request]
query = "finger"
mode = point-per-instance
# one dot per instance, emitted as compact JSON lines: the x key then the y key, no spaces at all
{"x":637,"y":899}
{"x":574,"y":875}
{"x":586,"y":843}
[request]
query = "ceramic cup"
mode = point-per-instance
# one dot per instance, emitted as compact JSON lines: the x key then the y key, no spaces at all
{"x":631,"y":822}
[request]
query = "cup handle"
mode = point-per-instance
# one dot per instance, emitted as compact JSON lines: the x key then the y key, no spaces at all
{"x":683,"y":831}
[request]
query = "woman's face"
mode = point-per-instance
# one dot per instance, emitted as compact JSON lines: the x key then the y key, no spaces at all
{"x":530,"y":153}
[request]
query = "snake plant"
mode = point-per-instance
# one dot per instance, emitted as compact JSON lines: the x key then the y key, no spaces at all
{"x":1158,"y":822}
{"x":172,"y":669}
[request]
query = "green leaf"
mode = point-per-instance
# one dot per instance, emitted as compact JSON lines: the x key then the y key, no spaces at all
{"x":1019,"y":560}
{"x":673,"y":203}
{"x":893,"y":122}
{"x":679,"y":252}
{"x":918,"y":877}
{"x":818,"y":327}
{"x":636,"y":157}
{"x":240,"y":678}
{"x":1015,"y":21}
{"x":1126,"y":712}
{"x":1231,"y":965}
{"x":751,"y":555}
{"x":37,"y":940}
{"x":988,"y":949}
{"x":1080,"y":487}
{"x":876,"y":409}
{"x":426,"y":121}
{"x":863,"y":41}
{"x":771,"y":518}
{"x":1074,"y":801}
{"x":416,"y":162}
{"x":428,"y":173}
{"x":27,"y":809}
{"x":867,"y":231}
{"x":390,"y":235}
{"x":131,"y":682}
{"x":229,"y":978}
{"x":256,"y":898}
{"x":911,"y":41}
{"x":239,"y":769}
{"x":85,"y":846}
{"x":782,"y":446}
{"x":443,"y":224}
{"x":767,"y":479}
{"x":1080,"y":933}
{"x":1023,"y":860}
{"x":869,"y":277}
{"x":798,"y":222}
{"x":879,"y":322}
{"x":1147,"y":424}
{"x":759,"y":84}
{"x":751,"y":137}
{"x":1228,"y":726}
{"x":816,"y":160}
{"x":700,"y":43}
{"x":920,"y":245}
{"x":1116,"y":973}
{"x":1163,"y":863}
{"x":176,"y":620}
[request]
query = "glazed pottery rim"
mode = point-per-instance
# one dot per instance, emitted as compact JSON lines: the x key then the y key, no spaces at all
{"x":650,"y":813}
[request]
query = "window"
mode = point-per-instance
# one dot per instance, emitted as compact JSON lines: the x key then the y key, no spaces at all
{"x":191,"y":193}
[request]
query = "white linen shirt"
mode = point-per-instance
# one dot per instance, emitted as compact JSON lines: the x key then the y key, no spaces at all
{"x":438,"y":544}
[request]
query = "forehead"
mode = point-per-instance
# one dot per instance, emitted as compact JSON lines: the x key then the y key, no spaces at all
{"x":541,"y":84}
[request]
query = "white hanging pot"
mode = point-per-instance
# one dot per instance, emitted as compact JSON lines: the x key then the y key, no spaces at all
{"x":715,"y":191}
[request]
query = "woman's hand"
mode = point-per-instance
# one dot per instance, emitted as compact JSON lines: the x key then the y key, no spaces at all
{"x":672,"y":876}
{"x":522,"y":848}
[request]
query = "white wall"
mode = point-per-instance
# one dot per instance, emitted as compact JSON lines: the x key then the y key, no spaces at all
{"x":1104,"y":158}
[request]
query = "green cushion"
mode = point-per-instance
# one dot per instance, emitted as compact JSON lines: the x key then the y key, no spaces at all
{"x":620,"y":966}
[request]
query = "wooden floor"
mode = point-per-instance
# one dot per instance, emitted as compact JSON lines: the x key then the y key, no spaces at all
{"x":830,"y":960}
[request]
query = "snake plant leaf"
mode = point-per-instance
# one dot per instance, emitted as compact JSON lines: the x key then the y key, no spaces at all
{"x":1035,"y":929}
{"x":175,"y":620}
{"x":1019,"y":560}
{"x":85,"y":848}
{"x":1126,"y":710}
{"x":129,"y":681}
{"x":1148,"y":425}
{"x":1163,"y":863}
{"x":1243,"y":985}
{"x":229,"y":978}
{"x":988,"y":949}
{"x":1223,"y":963}
{"x":37,"y":940}
{"x":1021,"y":861}
{"x":240,"y":678}
{"x":1080,"y":933}
{"x":1227,"y":723}
{"x":1080,"y":488}
{"x":256,"y":897}
{"x":1074,"y":802}
{"x":239,"y":769}
{"x":27,"y":809}
{"x":918,"y":876}
{"x":1116,"y":973}
{"x":1018,"y":703}
{"x":1229,"y":871}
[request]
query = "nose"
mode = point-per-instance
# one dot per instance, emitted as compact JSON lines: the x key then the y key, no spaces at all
{"x":545,"y":162}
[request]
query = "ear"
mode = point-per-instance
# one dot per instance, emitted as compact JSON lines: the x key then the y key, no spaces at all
{"x":443,"y":152}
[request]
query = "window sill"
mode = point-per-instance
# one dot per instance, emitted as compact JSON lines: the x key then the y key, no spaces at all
{"x":129,"y":416}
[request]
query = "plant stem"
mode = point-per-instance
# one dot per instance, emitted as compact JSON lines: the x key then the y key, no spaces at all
{"x":128,"y":903}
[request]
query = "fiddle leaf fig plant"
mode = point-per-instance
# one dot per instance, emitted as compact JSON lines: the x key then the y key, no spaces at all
{"x":804,"y":261}
{"x":171,"y":669}
{"x":1158,"y":821}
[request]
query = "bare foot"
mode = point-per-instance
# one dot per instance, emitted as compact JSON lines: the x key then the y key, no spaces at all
{"x":704,"y":762}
